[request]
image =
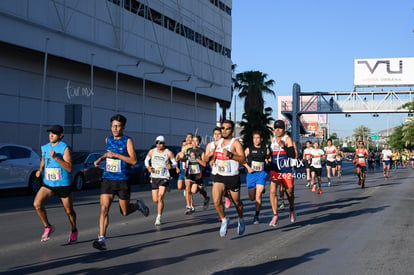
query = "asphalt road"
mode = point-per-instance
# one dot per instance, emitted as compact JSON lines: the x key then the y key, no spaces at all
{"x":346,"y":230}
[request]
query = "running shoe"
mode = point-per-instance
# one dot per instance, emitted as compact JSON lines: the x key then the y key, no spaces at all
{"x":329,"y":183}
{"x":314,"y":188}
{"x":292,"y":216}
{"x":73,"y":237}
{"x":384,"y":175}
{"x":99,"y":243}
{"x":143,"y":208}
{"x":241,"y":227}
{"x":256,"y":220}
{"x":46,"y":234}
{"x":206,"y":202}
{"x":273,"y":222}
{"x":158,"y":220}
{"x":189,"y":210}
{"x":319,"y":190}
{"x":282,"y":205}
{"x":308,"y":184}
{"x":359,"y":182}
{"x":223,"y":227}
{"x":227,"y":202}
{"x":363,"y":185}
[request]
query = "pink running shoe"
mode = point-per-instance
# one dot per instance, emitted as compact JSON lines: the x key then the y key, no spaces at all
{"x":292,"y":216}
{"x":46,"y":235}
{"x":273,"y":222}
{"x":227,"y":202}
{"x":73,"y":237}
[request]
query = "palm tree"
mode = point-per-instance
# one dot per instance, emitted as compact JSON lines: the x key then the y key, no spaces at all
{"x":362,"y":133}
{"x":252,"y":85}
{"x":256,"y":121}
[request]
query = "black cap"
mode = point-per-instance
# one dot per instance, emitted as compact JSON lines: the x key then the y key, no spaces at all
{"x":56,"y":129}
{"x":279,"y":124}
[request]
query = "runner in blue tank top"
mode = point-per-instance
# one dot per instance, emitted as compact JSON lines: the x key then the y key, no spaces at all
{"x":120,"y":152}
{"x":56,"y":165}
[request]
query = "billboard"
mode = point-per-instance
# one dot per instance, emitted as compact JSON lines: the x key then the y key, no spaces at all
{"x":384,"y":72}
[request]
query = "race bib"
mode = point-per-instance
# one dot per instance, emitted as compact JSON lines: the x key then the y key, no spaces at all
{"x":223,"y":166}
{"x":308,"y":157}
{"x":361,"y":160}
{"x":194,"y":169}
{"x":338,"y":158}
{"x":257,"y":166}
{"x":316,"y":162}
{"x":159,"y":171}
{"x":113,"y":165}
{"x":53,"y":174}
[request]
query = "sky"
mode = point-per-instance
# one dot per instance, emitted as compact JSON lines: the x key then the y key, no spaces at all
{"x":314,"y":43}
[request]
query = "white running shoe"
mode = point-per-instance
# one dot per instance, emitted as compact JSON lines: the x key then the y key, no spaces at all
{"x":223,"y":227}
{"x":158,"y":220}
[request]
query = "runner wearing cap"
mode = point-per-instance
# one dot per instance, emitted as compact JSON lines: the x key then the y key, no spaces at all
{"x":56,"y":166}
{"x":160,"y":176}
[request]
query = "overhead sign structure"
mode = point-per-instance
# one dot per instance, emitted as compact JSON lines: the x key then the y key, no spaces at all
{"x":374,"y":136}
{"x":384,"y":72}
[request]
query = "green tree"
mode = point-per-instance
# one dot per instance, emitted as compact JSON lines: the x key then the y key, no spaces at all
{"x":396,"y":138}
{"x":362,"y":133}
{"x":256,"y":121}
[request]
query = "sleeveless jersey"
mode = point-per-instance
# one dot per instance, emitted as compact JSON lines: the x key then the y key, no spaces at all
{"x":54,"y":174}
{"x":317,"y":157}
{"x":226,"y":166}
{"x":193,"y":167}
{"x":330,"y":153}
{"x":360,"y":157}
{"x":280,"y":160}
{"x":256,"y":158}
{"x":307,"y":154}
{"x":159,"y":162}
{"x":116,"y":169}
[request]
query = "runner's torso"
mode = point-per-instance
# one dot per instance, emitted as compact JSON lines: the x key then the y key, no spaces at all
{"x":116,"y":169}
{"x":54,"y":174}
{"x":280,"y":160}
{"x":257,"y":157}
{"x":225,"y":166}
{"x":159,"y":162}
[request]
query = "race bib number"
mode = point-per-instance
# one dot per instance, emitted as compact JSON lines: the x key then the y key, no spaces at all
{"x":307,"y":157}
{"x":223,"y":166}
{"x":258,"y":166}
{"x":160,"y":171}
{"x":316,"y":162}
{"x":194,"y":169}
{"x":361,"y":160}
{"x":338,"y":158}
{"x":53,"y":174}
{"x":113,"y":165}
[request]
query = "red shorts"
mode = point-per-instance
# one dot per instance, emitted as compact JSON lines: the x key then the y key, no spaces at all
{"x":282,"y":178}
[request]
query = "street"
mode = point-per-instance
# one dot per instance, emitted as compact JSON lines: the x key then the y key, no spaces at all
{"x":345,"y":230}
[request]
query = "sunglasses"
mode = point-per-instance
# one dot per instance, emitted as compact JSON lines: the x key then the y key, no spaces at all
{"x":226,"y":128}
{"x":159,"y":142}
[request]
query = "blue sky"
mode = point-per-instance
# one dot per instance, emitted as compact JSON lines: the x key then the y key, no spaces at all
{"x":314,"y":43}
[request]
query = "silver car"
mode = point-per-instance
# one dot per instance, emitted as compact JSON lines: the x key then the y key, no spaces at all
{"x":18,"y":166}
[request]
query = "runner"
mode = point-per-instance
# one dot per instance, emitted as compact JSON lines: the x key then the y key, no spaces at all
{"x":317,"y":156}
{"x":307,"y":162}
{"x":338,"y":159}
{"x":257,"y":158}
{"x":386,"y":155}
{"x":330,"y":153}
{"x":120,"y":152}
{"x":229,"y":152}
{"x":160,"y":176}
{"x":181,"y":166}
{"x":56,"y":165}
{"x":361,"y":156}
{"x":395,"y":158}
{"x":281,"y":172}
{"x":194,"y":180}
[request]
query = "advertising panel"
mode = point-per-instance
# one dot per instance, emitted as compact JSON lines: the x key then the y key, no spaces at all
{"x":384,"y":72}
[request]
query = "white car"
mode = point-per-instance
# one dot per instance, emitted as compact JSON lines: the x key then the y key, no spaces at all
{"x":18,"y":166}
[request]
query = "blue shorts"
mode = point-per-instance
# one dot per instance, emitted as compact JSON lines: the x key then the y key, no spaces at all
{"x":181,"y":176}
{"x":339,"y":162}
{"x":386,"y":162}
{"x":252,"y":179}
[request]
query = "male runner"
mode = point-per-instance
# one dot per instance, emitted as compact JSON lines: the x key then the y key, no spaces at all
{"x":317,"y":156}
{"x":56,"y":165}
{"x":386,"y":161}
{"x":183,"y":163}
{"x":338,"y":159}
{"x":194,"y":180}
{"x":281,"y":172}
{"x":160,"y":176}
{"x":330,"y":153}
{"x":120,"y":152}
{"x":361,"y":156}
{"x":228,"y":154}
{"x":257,"y":158}
{"x":307,"y":162}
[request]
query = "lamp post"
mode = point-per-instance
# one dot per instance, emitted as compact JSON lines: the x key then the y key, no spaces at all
{"x":195,"y":101}
{"x":171,"y":99}
{"x":116,"y":80}
{"x":143,"y":95}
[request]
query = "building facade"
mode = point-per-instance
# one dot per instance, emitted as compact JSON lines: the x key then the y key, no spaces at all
{"x":165,"y":65}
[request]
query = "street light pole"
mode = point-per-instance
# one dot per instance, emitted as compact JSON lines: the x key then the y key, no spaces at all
{"x":143,"y":96}
{"x":171,"y":99}
{"x":195,"y":101}
{"x":116,"y":80}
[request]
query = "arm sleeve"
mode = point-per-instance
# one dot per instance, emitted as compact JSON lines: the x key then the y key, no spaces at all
{"x":146,"y":161}
{"x":173,"y":162}
{"x":290,"y":151}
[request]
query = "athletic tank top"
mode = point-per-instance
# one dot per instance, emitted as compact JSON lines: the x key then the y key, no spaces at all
{"x":330,"y":153}
{"x":257,"y":157}
{"x":54,"y":174}
{"x":116,"y":169}
{"x":307,"y":154}
{"x":280,"y":160}
{"x":193,"y":167}
{"x":360,"y":157}
{"x":226,"y":166}
{"x":159,"y":162}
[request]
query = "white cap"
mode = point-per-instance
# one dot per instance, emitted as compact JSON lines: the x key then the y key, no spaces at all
{"x":160,"y":138}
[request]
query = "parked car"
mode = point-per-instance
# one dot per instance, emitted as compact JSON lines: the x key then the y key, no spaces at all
{"x":138,"y":174}
{"x":18,"y":166}
{"x":84,"y":173}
